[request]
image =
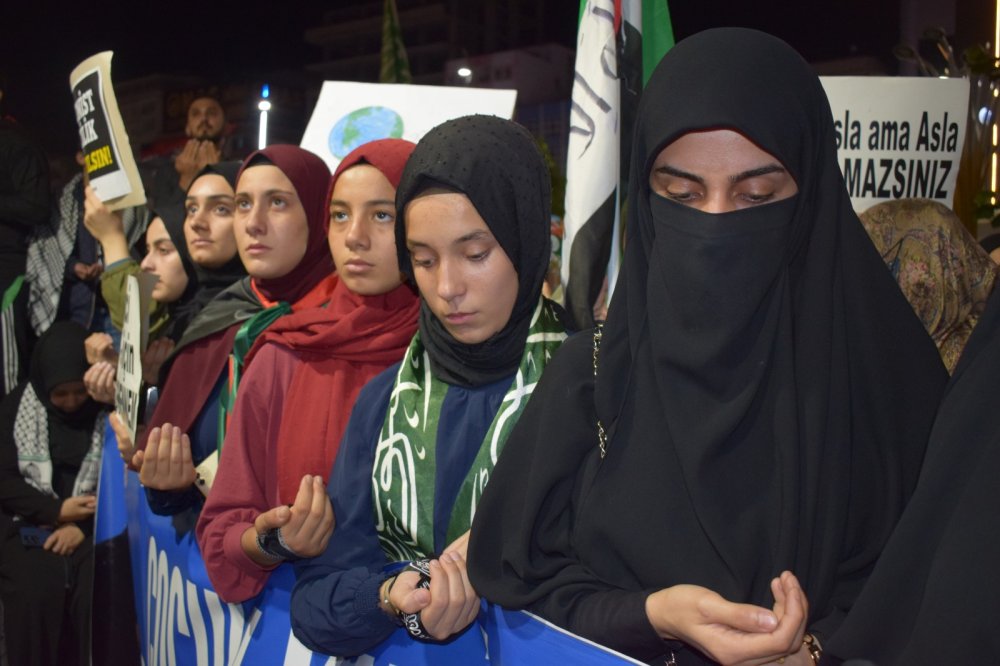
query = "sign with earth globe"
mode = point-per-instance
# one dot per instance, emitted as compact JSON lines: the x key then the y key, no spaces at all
{"x":363,"y":125}
{"x":348,"y":113}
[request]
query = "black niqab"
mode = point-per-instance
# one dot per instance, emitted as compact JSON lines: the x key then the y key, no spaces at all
{"x":496,"y":164}
{"x":766,"y":389}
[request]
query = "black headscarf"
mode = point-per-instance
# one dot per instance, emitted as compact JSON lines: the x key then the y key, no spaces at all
{"x":496,"y":164}
{"x":766,"y":389}
{"x":59,"y":358}
{"x":211,"y":281}
{"x":934,"y":597}
{"x":186,"y":306}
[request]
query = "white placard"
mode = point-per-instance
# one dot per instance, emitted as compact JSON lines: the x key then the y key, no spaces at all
{"x":111,"y":167}
{"x":898,"y":137}
{"x":135,"y":335}
{"x":348,"y":114}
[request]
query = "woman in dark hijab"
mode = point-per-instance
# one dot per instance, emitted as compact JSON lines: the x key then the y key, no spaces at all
{"x":50,"y":454}
{"x":933,"y":596}
{"x":473,"y":233}
{"x":762,"y":398}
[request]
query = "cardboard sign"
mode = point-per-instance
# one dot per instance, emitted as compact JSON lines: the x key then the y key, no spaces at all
{"x":106,"y":150}
{"x":348,"y":114}
{"x":135,"y":334}
{"x":898,"y":137}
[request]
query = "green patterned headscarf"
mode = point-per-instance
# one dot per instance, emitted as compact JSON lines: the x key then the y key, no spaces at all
{"x":403,"y":477}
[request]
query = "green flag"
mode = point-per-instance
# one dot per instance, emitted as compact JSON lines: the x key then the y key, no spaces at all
{"x":395,"y":65}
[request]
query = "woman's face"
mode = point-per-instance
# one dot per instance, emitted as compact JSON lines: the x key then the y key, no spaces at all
{"x":69,"y":397}
{"x":463,"y":274}
{"x":208,"y":228}
{"x":163,"y":261}
{"x":362,"y":231}
{"x":719,"y":171}
{"x":271,"y":227}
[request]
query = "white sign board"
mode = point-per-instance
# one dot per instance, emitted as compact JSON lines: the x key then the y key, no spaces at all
{"x":135,"y":334}
{"x":106,"y":150}
{"x":348,"y":114}
{"x":898,"y":137}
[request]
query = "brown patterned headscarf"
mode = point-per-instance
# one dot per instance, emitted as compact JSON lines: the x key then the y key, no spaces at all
{"x":943,"y":272}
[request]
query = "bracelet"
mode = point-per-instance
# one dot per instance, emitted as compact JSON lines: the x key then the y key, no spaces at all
{"x":273,"y":545}
{"x":390,"y":608}
{"x":411,"y":621}
{"x":813,"y":647}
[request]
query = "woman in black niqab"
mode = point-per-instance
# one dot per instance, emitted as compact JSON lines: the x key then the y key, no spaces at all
{"x":765,"y":388}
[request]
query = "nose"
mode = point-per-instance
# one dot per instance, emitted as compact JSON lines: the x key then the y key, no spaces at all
{"x":147,"y":263}
{"x":450,"y":285}
{"x":717,"y":203}
{"x":256,"y":221}
{"x":198,"y":221}
{"x":357,"y":235}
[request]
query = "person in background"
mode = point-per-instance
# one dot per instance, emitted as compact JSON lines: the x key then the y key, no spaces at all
{"x":168,"y":178}
{"x":50,"y":455}
{"x":65,"y":261}
{"x":306,"y":373}
{"x":472,"y":232}
{"x":24,"y":207}
{"x":944,"y":274}
{"x":711,"y":475}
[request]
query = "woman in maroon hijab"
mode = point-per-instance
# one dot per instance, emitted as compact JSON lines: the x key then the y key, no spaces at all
{"x":268,"y":503}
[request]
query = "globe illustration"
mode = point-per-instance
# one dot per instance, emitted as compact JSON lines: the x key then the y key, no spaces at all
{"x":363,"y":125}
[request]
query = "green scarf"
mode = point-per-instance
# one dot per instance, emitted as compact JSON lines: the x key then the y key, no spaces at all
{"x":245,"y":337}
{"x":405,"y":465}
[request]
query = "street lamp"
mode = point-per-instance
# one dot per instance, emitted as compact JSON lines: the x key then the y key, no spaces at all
{"x":264,"y":105}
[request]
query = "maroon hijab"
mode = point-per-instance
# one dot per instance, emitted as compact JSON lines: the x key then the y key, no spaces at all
{"x":311,"y":178}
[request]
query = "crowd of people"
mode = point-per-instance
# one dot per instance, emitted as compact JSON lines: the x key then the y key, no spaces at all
{"x":777,"y":448}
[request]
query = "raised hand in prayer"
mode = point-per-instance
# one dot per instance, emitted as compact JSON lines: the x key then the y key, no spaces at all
{"x":166,"y":464}
{"x":153,"y":358}
{"x":77,"y":508}
{"x":306,"y":526}
{"x":64,"y":539}
{"x":100,"y":382}
{"x":126,"y":448}
{"x":449,"y":606}
{"x":731,"y":633}
{"x":195,"y":156}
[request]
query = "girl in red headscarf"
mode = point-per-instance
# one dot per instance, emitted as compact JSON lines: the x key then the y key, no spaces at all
{"x":279,"y":223}
{"x":268,"y":502}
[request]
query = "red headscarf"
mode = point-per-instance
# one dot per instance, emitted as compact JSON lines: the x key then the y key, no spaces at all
{"x":311,"y":177}
{"x":341,"y":347}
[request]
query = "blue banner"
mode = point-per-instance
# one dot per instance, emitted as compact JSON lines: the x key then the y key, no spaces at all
{"x":181,"y":620}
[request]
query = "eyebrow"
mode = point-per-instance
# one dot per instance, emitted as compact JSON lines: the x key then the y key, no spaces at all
{"x":475,"y":235}
{"x":268,"y":193}
{"x":376,"y":202}
{"x":744,"y":175}
{"x":210,"y":197}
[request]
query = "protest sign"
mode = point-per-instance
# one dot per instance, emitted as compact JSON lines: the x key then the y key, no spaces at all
{"x":348,"y":114}
{"x":135,"y":334}
{"x":110,"y":165}
{"x":898,"y":137}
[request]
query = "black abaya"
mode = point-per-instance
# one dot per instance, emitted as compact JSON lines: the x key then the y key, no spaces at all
{"x":766,"y":389}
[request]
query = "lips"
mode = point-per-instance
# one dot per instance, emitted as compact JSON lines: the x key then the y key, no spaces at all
{"x":257,"y":248}
{"x":357,"y":266}
{"x":458,"y":318}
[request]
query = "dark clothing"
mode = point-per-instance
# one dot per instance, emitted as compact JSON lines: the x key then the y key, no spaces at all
{"x":934,"y":596}
{"x":334,"y":607}
{"x":765,"y":388}
{"x":46,"y":596}
{"x":24,"y":196}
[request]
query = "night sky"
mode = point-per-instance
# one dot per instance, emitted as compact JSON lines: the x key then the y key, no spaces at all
{"x":40,"y":42}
